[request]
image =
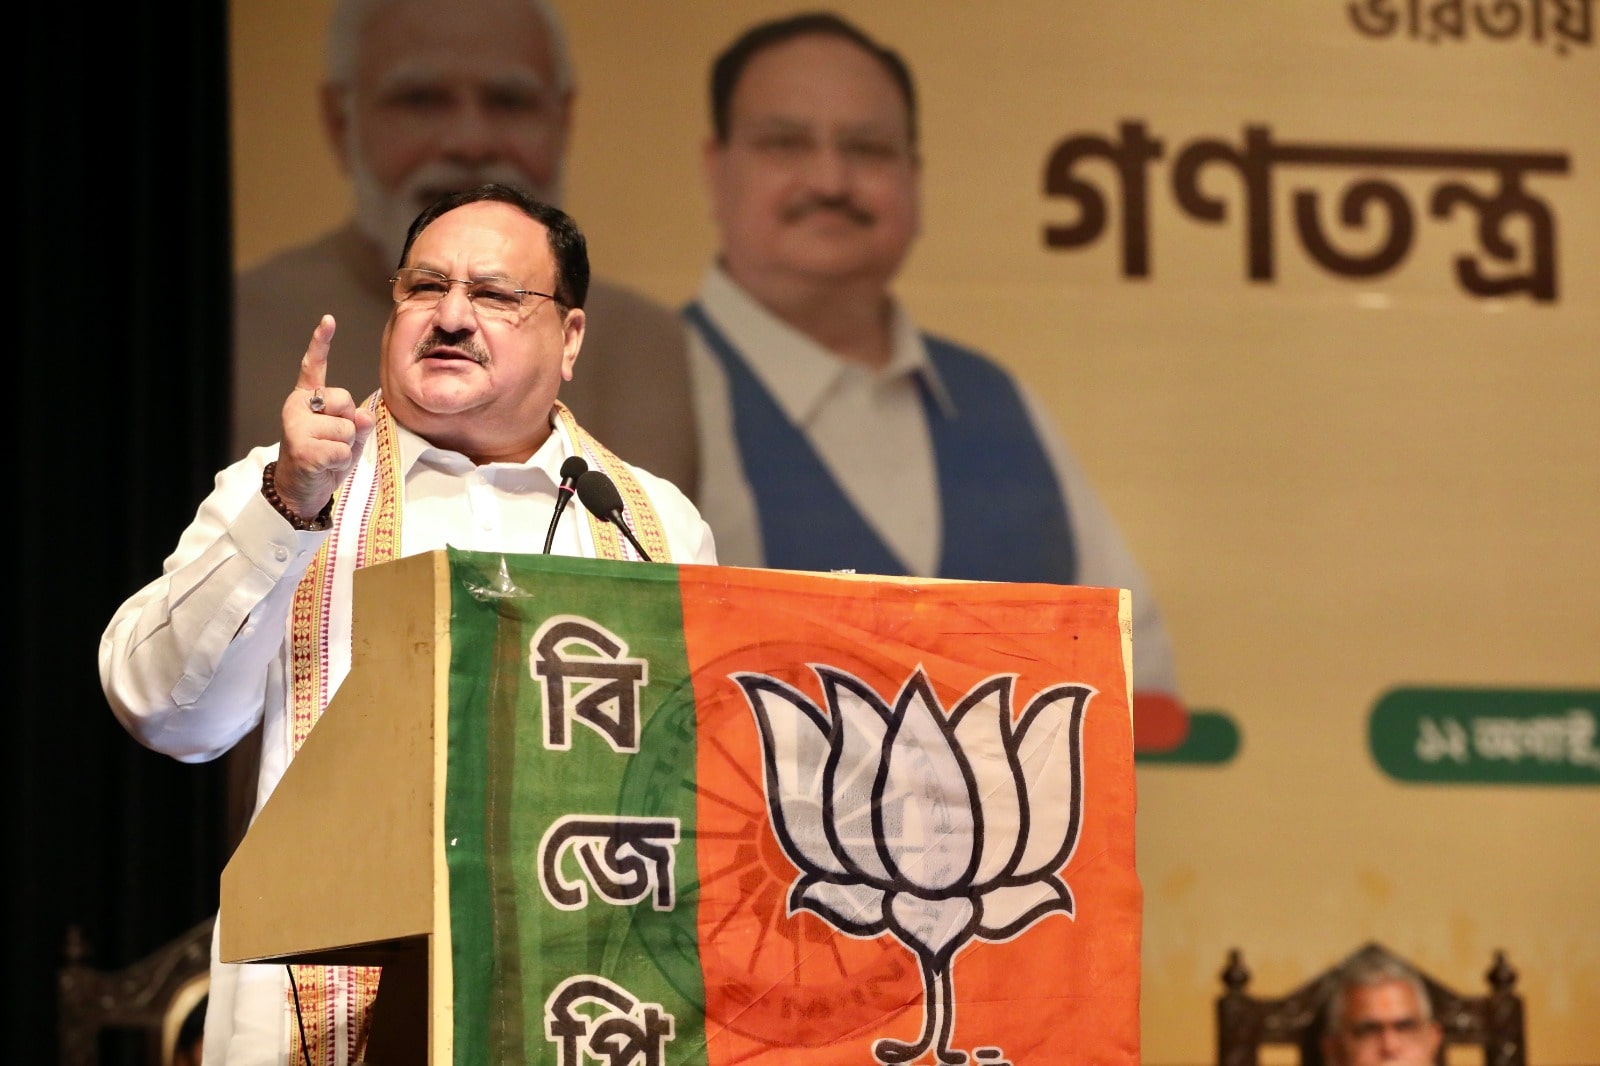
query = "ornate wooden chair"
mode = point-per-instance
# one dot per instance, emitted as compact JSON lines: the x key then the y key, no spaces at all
{"x":152,"y":996}
{"x":1245,"y":1023}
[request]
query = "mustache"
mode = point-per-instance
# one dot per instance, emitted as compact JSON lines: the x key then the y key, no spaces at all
{"x":461,"y":342}
{"x":841,"y":204}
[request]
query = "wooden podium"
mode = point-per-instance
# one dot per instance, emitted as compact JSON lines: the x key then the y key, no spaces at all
{"x":370,"y":776}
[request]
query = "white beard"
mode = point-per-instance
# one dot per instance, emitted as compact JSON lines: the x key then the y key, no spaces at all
{"x":384,"y":215}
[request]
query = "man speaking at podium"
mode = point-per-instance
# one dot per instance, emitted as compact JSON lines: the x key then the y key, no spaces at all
{"x":464,"y":445}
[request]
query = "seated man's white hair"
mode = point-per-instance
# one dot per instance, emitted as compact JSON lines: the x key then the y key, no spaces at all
{"x":1365,"y":971}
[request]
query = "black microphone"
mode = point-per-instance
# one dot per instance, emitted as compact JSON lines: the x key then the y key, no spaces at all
{"x":599,"y":494}
{"x":571,"y":471}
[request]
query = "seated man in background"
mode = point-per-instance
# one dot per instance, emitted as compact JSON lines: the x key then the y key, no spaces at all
{"x":1379,"y":1012}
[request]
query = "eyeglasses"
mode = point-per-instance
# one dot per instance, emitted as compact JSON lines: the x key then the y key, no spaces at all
{"x":1373,"y":1028}
{"x":421,"y":289}
{"x":791,"y":144}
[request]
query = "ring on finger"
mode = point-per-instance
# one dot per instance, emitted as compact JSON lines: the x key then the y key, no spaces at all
{"x":317,"y":403}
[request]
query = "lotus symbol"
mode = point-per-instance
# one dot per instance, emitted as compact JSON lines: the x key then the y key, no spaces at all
{"x":934,"y":829}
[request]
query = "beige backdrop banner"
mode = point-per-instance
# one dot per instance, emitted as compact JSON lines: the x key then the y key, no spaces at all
{"x":1346,"y":463}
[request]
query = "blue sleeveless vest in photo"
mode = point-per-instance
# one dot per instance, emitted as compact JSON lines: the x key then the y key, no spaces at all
{"x":1002,"y":513}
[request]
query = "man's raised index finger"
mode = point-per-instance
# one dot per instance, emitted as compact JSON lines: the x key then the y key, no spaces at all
{"x":314,"y":366}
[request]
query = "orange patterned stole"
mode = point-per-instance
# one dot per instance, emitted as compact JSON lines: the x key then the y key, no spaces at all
{"x":335,"y":1002}
{"x":642,"y":518}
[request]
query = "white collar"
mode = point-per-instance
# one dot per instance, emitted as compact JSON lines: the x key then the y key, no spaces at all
{"x":796,"y":370}
{"x":414,"y":448}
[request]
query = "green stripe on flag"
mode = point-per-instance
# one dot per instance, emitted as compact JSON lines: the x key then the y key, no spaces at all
{"x":569,"y":828}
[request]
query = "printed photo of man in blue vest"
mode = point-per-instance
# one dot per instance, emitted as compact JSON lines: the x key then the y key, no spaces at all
{"x":835,"y":434}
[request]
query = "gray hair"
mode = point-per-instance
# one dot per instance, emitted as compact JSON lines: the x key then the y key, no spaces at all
{"x":350,"y":17}
{"x":1366,"y":970}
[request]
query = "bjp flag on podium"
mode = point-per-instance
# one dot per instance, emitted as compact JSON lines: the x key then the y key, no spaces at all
{"x":717,"y":815}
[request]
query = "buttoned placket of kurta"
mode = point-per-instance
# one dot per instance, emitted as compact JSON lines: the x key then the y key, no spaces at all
{"x":485,"y":505}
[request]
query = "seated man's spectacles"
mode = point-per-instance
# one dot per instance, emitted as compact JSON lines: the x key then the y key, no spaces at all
{"x":422,"y":289}
{"x":1372,"y":1029}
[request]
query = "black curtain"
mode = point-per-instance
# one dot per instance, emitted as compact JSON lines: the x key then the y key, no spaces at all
{"x":117,"y":405}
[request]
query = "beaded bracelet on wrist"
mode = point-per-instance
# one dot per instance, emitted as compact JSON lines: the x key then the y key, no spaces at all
{"x":269,"y":489}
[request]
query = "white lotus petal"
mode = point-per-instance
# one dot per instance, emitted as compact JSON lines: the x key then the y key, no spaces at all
{"x":1048,"y":749}
{"x":859,"y":731}
{"x":981,"y":735}
{"x":855,"y":908}
{"x":926,"y":800}
{"x":933,"y":925}
{"x":1008,"y":911}
{"x":795,"y":748}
